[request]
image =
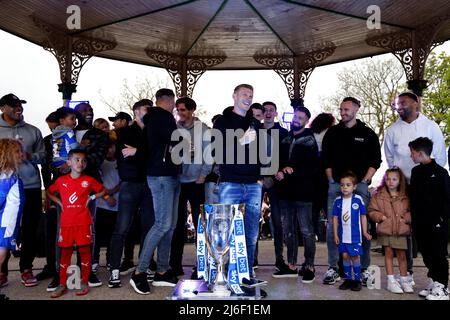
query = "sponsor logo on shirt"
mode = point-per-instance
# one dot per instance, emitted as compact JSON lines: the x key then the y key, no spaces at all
{"x":73,"y":197}
{"x":346,"y":216}
{"x":359,"y":139}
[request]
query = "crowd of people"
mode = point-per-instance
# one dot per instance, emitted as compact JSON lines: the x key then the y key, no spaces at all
{"x":112,"y":187}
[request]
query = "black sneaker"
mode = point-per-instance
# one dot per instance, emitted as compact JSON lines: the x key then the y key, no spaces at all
{"x":194,"y":275}
{"x":114,"y":279}
{"x":280,"y":265}
{"x":301,"y":271}
{"x":356,"y":286}
{"x":139,"y":283}
{"x":347,"y":284}
{"x":94,"y":281}
{"x":166,"y":279}
{"x":45,"y":274}
{"x":126,"y":267}
{"x":309,"y":275}
{"x":150,"y":275}
{"x":53,"y":284}
{"x":331,"y":276}
{"x":286,"y":273}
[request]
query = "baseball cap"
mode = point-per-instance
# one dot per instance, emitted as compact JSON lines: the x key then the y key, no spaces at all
{"x":10,"y":100}
{"x":120,"y":115}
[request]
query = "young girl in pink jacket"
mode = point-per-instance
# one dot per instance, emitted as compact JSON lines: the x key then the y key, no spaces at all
{"x":389,"y":208}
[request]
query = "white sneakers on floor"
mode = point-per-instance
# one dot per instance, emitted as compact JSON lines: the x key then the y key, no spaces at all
{"x":439,"y":292}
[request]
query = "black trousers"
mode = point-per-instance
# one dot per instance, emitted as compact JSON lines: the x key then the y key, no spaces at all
{"x":195,"y":194}
{"x":432,"y":243}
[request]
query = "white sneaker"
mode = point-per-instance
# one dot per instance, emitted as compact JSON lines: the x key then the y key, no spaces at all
{"x":411,"y":279}
{"x":407,"y":287}
{"x":425,"y":292}
{"x":439,"y":292}
{"x":394,"y":287}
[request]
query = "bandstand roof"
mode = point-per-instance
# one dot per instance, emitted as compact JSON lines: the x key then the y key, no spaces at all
{"x":235,"y":29}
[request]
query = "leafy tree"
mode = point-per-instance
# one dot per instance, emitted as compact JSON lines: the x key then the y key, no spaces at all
{"x":436,"y":99}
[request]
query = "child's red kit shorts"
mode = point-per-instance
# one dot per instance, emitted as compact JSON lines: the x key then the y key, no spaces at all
{"x":75,"y":235}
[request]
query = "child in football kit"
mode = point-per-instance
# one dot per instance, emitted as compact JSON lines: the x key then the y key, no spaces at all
{"x":11,"y":199}
{"x":76,"y":222}
{"x":349,"y":217}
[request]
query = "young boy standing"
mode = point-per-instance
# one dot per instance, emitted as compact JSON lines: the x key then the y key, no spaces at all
{"x":430,"y":210}
{"x":76,"y":223}
{"x":349,"y":217}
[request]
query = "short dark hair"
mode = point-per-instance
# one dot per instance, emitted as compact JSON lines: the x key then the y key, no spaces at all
{"x":214,"y":118}
{"x":77,"y":150}
{"x":265,"y":103}
{"x":409,"y":94}
{"x":188,"y":103}
{"x":52,"y":117}
{"x":322,"y":121}
{"x":422,"y":144}
{"x":164,"y":92}
{"x":63,"y":112}
{"x":143,"y":102}
{"x":243,"y":85}
{"x":305,"y":110}
{"x":351,"y":175}
{"x":257,"y":106}
{"x":353,"y":100}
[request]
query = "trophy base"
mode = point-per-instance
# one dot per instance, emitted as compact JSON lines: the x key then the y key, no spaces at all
{"x":198,"y":290}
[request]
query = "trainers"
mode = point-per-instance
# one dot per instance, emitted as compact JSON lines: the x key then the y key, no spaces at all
{"x":150,"y":275}
{"x":301,"y":271}
{"x":126,"y":267}
{"x":407,"y":286}
{"x":114,"y":279}
{"x":280,"y":265}
{"x":394,"y":287}
{"x":309,"y":275}
{"x":365,"y":274}
{"x":411,"y":279}
{"x":167,"y":279}
{"x":439,"y":292}
{"x":95,"y":267}
{"x":84,"y":290}
{"x":356,"y":286}
{"x":331,"y":276}
{"x":194,"y":274}
{"x":425,"y":292}
{"x":53,"y":284}
{"x":28,"y":279}
{"x":3,"y":280}
{"x":94,"y":281}
{"x":139,"y":283}
{"x":45,"y":274}
{"x":59,"y":291}
{"x":347,"y":284}
{"x":286,"y":272}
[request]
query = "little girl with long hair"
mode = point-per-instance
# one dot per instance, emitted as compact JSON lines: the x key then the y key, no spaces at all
{"x":389,"y":208}
{"x":11,"y":198}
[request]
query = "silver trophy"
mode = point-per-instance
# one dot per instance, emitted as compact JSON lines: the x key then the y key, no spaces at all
{"x":218,"y":228}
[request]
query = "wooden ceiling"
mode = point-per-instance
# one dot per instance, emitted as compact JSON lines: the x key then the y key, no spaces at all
{"x":236,"y":29}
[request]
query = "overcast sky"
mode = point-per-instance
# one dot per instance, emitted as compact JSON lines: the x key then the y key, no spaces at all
{"x":32,"y":74}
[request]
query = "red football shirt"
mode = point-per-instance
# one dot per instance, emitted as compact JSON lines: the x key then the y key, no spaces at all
{"x":74,"y":194}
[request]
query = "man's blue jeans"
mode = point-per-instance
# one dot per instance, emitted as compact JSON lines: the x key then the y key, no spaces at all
{"x":133,"y":196}
{"x":362,"y":189}
{"x":165,"y":193}
{"x":298,"y":212}
{"x":250,"y":195}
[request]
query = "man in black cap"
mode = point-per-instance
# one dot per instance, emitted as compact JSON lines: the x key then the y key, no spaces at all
{"x":120,"y":120}
{"x":13,"y":126}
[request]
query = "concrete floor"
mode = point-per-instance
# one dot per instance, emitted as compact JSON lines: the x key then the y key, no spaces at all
{"x":277,"y":289}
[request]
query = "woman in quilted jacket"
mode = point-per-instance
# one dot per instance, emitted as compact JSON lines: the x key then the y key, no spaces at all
{"x":389,"y":208}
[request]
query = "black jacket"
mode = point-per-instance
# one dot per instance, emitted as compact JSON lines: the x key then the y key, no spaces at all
{"x":356,"y":149}
{"x":234,"y":172}
{"x":134,"y":168}
{"x":300,"y":152}
{"x":159,"y":126}
{"x":429,"y":195}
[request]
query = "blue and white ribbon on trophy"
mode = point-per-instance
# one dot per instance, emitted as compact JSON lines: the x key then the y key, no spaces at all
{"x":202,"y":252}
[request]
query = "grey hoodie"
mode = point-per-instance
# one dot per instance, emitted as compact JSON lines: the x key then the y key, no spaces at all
{"x":31,"y":138}
{"x":191,"y":172}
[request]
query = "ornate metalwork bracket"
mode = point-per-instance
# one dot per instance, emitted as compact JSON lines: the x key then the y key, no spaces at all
{"x":184,"y":71}
{"x":412,"y":50}
{"x":71,"y":53}
{"x":294,"y":71}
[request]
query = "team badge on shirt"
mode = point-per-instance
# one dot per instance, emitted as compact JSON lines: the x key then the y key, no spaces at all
{"x":85,"y":184}
{"x":355,"y":206}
